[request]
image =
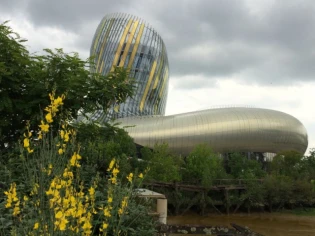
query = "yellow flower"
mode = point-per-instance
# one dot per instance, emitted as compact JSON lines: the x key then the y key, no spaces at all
{"x":111,"y":164}
{"x":57,"y":102}
{"x":60,"y":151}
{"x":66,"y":138}
{"x":26,"y":142}
{"x":74,"y":160}
{"x":120,"y":211}
{"x":40,"y":135}
{"x":8,"y":204}
{"x":129,"y":177}
{"x":49,"y":118}
{"x":62,"y":133}
{"x":104,"y":226}
{"x":115,"y":171}
{"x":51,"y":96}
{"x":49,"y":169}
{"x":54,"y":109}
{"x":62,"y":223}
{"x":140,"y":176}
{"x":67,"y":174}
{"x":124,"y":202}
{"x":11,"y":196}
{"x":30,"y":150}
{"x":44,"y":127}
{"x":25,"y":198}
{"x":59,"y":215}
{"x":114,"y":180}
{"x":107,"y":212}
{"x":16,"y":209}
{"x":87,"y":226}
{"x":110,"y":200}
{"x":35,"y":189}
{"x":91,"y":191}
{"x":36,"y":225}
{"x":28,"y":134}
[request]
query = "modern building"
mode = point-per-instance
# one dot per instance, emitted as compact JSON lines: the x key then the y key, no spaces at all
{"x":127,"y":41}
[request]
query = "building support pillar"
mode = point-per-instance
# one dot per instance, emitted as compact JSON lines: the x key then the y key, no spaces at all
{"x":161,"y":208}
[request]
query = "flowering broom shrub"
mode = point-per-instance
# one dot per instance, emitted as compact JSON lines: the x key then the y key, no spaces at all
{"x":56,"y":195}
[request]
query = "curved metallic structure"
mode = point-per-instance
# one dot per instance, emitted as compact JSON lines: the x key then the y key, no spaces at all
{"x":224,"y":129}
{"x":127,"y":41}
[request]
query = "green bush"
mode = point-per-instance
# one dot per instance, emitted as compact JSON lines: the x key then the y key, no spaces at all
{"x":203,"y":166}
{"x":55,"y":193}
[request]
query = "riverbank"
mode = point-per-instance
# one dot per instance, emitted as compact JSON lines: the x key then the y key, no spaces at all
{"x":300,"y":211}
{"x":268,"y":224}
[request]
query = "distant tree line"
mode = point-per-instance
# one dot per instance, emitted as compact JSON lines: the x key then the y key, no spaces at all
{"x":286,"y":182}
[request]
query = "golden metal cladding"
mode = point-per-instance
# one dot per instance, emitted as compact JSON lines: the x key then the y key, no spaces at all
{"x":225,"y":130}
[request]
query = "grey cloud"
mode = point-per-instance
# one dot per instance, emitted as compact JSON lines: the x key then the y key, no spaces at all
{"x":191,"y":82}
{"x":13,"y":6}
{"x":70,"y":15}
{"x":284,"y":33}
{"x":275,"y":46}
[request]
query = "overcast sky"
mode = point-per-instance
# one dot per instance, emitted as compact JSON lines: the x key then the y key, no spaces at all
{"x":258,"y":53}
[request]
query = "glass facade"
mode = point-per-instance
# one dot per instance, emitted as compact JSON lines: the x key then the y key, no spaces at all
{"x":127,"y":41}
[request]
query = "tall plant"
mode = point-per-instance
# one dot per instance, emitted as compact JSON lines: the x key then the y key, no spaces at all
{"x":55,"y":197}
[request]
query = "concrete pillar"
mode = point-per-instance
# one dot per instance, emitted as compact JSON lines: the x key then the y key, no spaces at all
{"x":161,"y":208}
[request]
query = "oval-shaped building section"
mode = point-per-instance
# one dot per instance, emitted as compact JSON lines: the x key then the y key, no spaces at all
{"x":127,"y":41}
{"x":225,"y":130}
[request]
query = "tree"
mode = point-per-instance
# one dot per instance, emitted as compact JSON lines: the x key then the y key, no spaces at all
{"x":242,"y":168}
{"x":253,"y":196}
{"x":307,"y":170}
{"x":203,"y":165}
{"x":101,"y":144}
{"x":287,"y":163}
{"x":278,"y":191}
{"x":163,"y":165}
{"x":26,"y":80}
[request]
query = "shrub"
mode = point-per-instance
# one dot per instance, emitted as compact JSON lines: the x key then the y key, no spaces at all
{"x":55,"y":194}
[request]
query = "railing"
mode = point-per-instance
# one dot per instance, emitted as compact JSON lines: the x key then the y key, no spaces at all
{"x":217,"y":184}
{"x":236,"y":181}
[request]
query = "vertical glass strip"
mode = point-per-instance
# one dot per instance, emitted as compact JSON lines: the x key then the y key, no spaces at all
{"x":126,"y":50}
{"x":147,"y":86}
{"x":135,"y":48}
{"x":120,"y":45}
{"x":104,"y":43}
{"x":164,"y":80}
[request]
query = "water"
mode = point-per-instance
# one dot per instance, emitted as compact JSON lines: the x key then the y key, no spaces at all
{"x":268,"y":224}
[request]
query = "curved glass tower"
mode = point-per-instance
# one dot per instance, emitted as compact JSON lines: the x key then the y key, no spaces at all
{"x":127,"y":41}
